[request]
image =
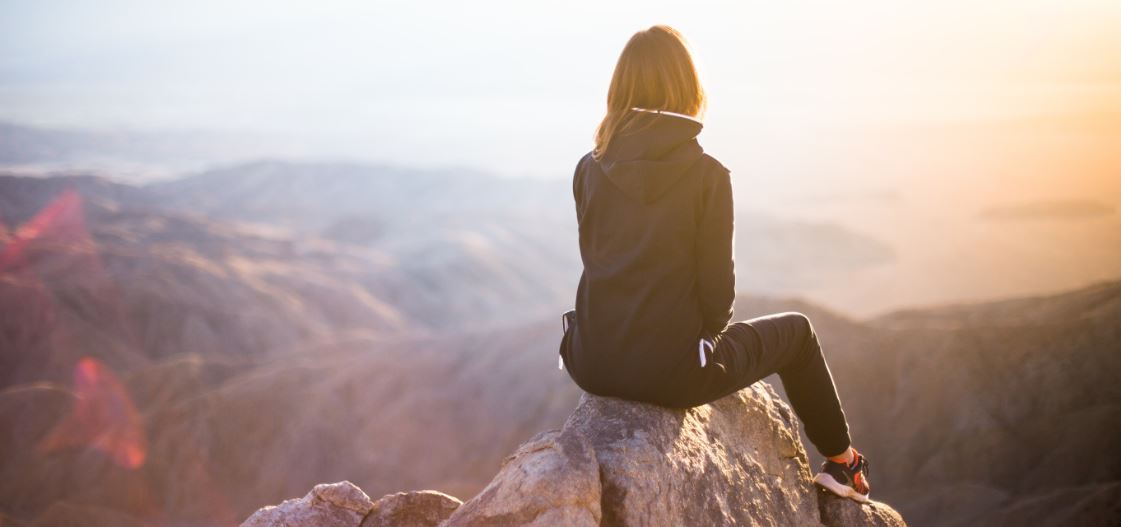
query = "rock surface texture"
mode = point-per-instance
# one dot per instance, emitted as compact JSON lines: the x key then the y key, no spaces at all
{"x":842,"y":511}
{"x":737,"y":461}
{"x":327,"y":505}
{"x":424,"y":508}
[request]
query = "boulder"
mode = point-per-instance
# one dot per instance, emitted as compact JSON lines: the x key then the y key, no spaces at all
{"x":422,"y":508}
{"x":327,"y":505}
{"x":736,"y":461}
{"x":553,"y":479}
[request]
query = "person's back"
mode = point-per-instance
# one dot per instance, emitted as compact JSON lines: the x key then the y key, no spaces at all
{"x":653,"y":211}
{"x":653,"y":305}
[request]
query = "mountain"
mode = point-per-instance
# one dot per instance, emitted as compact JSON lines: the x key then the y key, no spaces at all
{"x":129,"y":155}
{"x":518,"y":235}
{"x":504,"y":248}
{"x":143,"y":347}
{"x":471,"y":249}
{"x":101,"y":277}
{"x":986,"y":413}
{"x":996,"y":411}
{"x":864,"y":246}
{"x":308,"y":197}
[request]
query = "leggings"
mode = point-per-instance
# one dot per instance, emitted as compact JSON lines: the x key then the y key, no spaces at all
{"x":748,"y":351}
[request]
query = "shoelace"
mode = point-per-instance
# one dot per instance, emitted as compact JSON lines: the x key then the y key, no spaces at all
{"x":861,"y":471}
{"x":859,"y":463}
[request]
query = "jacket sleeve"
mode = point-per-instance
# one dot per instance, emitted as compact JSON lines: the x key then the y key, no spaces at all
{"x":578,"y":186}
{"x":716,"y":277}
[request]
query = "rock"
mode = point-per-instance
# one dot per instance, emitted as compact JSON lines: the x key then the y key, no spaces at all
{"x":345,"y":505}
{"x":734,"y":461}
{"x":553,"y":479}
{"x":737,"y":461}
{"x":327,"y":505}
{"x":423,"y":508}
{"x":840,"y":512}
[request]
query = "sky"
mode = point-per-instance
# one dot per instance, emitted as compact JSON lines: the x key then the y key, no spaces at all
{"x":517,"y":87}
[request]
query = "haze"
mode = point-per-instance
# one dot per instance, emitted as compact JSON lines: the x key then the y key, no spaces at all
{"x":903,"y":122}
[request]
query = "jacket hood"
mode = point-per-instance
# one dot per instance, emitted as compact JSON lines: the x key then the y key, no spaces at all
{"x":645,"y":163}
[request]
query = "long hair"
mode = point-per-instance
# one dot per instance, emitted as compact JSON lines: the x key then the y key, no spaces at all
{"x":655,"y":72}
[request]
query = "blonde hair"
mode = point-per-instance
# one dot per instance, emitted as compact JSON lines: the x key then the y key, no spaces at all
{"x":655,"y":71}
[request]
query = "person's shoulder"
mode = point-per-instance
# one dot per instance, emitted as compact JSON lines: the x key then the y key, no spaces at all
{"x":713,"y":173}
{"x":713,"y":165}
{"x":586,"y":159}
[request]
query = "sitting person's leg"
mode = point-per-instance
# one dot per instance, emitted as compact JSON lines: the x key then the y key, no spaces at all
{"x":787,"y":344}
{"x":807,"y":380}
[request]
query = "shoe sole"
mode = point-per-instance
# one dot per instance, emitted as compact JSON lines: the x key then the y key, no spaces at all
{"x":827,"y":482}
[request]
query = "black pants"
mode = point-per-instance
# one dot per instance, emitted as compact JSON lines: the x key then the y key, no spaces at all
{"x":748,"y":351}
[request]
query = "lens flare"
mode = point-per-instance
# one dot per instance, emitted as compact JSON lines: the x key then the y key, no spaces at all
{"x":62,"y":222}
{"x":103,"y":418}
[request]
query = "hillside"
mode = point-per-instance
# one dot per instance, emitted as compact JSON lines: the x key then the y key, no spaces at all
{"x":517,"y":234}
{"x":131,"y":284}
{"x":986,"y":413}
{"x":1002,"y":410}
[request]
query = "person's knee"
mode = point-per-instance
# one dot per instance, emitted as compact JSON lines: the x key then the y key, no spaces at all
{"x":804,"y":333}
{"x":801,"y":322}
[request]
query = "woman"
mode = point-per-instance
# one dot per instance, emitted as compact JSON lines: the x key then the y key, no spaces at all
{"x":655,"y":298}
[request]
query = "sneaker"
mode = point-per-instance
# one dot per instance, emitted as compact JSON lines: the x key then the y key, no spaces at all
{"x":847,"y":481}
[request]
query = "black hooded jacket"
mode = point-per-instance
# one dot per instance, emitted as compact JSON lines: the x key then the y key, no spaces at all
{"x":655,"y":216}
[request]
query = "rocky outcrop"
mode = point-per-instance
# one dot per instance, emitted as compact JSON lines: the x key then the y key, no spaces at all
{"x":424,"y":508}
{"x":737,"y":461}
{"x":327,"y":505}
{"x":344,"y":505}
{"x":551,"y":480}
